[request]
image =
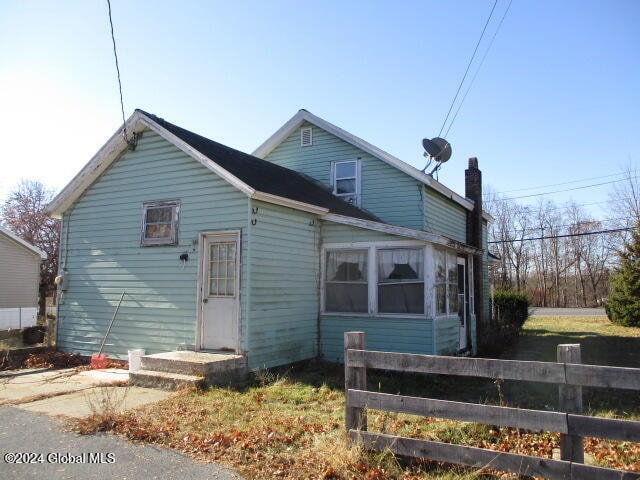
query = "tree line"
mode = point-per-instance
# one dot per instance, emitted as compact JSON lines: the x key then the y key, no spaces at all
{"x":560,"y":255}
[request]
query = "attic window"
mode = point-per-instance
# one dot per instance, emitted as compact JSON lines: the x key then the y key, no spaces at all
{"x":160,"y":223}
{"x":306,"y":136}
{"x":346,"y":180}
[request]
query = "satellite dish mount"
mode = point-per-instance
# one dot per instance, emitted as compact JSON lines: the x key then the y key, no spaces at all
{"x":436,"y":150}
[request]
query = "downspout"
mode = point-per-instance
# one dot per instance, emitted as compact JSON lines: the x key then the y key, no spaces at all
{"x":318,"y":248}
{"x":245,"y":326}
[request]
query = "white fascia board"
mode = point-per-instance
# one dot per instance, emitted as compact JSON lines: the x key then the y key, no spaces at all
{"x":114,"y":148}
{"x":303,"y":115}
{"x":488,"y":217}
{"x":287,"y":202}
{"x":23,"y":243}
{"x":400,"y":231}
{"x":93,"y":169}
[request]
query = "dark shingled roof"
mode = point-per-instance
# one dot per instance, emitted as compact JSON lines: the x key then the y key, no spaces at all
{"x":265,"y":176}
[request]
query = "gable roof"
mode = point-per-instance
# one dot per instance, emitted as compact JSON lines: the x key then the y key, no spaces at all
{"x":16,"y":239}
{"x":257,"y":178}
{"x":305,"y":116}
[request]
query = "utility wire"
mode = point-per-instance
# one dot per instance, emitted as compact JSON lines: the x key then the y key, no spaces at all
{"x":564,"y":190}
{"x":495,"y":34}
{"x":468,"y":66}
{"x":575,"y":224}
{"x":563,"y":236}
{"x":561,"y":183}
{"x":115,"y":54}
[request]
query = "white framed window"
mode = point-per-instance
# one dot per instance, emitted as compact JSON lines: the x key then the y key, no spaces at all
{"x":400,"y":280}
{"x":445,"y":282}
{"x":346,"y":281}
{"x":160,"y":223}
{"x":345,"y":181}
{"x":306,"y":136}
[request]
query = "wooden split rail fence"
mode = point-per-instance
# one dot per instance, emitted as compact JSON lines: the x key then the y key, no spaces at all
{"x":568,"y":373}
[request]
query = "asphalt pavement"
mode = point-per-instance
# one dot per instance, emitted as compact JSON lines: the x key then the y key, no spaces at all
{"x":48,"y":452}
{"x":566,"y":312}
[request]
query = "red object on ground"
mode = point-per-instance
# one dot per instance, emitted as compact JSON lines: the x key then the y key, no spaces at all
{"x":99,"y":360}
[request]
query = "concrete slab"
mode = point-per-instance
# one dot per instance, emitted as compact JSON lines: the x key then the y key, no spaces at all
{"x":96,"y":400}
{"x":195,"y":357}
{"x":17,"y":386}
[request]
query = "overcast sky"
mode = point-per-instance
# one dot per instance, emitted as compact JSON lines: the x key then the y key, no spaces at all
{"x":556,"y":100}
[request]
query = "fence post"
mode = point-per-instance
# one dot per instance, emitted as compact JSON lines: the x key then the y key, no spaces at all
{"x":355,"y":418}
{"x":570,"y":401}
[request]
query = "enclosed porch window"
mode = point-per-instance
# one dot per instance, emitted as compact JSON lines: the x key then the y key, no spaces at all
{"x":401,"y":280}
{"x":346,"y":286}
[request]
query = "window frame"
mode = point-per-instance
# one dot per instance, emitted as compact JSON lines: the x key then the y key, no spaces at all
{"x":175,"y":217}
{"x":366,"y":281}
{"x":357,"y":178}
{"x":422,"y":280}
{"x":448,"y":253}
{"x":372,"y":276}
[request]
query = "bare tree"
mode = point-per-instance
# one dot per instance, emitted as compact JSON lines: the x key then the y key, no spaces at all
{"x":23,"y":213}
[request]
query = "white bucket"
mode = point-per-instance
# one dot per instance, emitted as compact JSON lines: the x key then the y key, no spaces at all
{"x":134,"y":359}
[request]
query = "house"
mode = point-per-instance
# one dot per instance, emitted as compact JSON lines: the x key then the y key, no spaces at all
{"x":19,"y":281}
{"x":272,"y":255}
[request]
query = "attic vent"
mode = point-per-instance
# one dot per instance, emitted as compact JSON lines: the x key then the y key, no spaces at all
{"x":306,"y":136}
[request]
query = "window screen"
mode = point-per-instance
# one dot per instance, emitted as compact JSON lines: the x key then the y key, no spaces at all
{"x":160,"y":222}
{"x":400,"y":281}
{"x":346,"y":286}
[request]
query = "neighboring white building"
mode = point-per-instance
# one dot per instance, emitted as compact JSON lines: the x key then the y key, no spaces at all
{"x":19,"y":281}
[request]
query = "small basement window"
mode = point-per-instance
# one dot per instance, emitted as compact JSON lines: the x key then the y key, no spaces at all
{"x":160,"y":223}
{"x":306,"y":136}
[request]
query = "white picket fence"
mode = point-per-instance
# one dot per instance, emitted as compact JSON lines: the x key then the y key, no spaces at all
{"x":11,"y":318}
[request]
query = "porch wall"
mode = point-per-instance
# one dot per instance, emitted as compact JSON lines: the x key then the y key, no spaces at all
{"x":100,"y":245}
{"x":408,"y":335}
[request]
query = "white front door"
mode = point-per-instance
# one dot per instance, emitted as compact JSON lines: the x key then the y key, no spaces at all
{"x":220,"y":296}
{"x":462,"y":303}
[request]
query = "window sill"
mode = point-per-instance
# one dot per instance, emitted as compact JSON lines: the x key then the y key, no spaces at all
{"x":415,"y":316}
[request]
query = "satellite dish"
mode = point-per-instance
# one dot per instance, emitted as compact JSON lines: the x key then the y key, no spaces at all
{"x":437,"y":148}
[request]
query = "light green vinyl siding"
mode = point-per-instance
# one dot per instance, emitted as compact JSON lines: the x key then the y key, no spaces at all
{"x":444,"y":216}
{"x":388,"y":193}
{"x":408,"y":335}
{"x":338,"y":233}
{"x":447,"y":335}
{"x":103,"y":256}
{"x":284,"y":270}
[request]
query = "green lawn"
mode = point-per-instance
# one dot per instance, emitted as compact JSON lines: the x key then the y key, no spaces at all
{"x":289,"y":423}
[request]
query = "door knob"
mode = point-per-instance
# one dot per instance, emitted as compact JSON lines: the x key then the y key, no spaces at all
{"x":205,"y":300}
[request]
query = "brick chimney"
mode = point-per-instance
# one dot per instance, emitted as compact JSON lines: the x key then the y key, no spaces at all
{"x":473,"y":191}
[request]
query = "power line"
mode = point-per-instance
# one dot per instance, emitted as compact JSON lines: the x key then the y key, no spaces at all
{"x":563,"y":236}
{"x":468,"y":66}
{"x":575,"y":224}
{"x":562,"y":183}
{"x":115,"y":54}
{"x":495,"y":34}
{"x":564,"y":190}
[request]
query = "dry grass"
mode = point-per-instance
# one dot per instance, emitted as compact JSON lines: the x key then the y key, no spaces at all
{"x":291,"y":426}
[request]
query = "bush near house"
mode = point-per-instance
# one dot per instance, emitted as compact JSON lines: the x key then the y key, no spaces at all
{"x":511,"y":310}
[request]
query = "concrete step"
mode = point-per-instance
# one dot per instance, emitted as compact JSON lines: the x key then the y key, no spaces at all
{"x":203,"y":364}
{"x":164,"y":380}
